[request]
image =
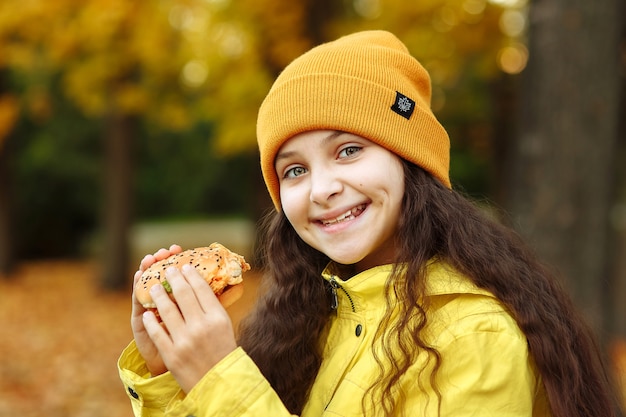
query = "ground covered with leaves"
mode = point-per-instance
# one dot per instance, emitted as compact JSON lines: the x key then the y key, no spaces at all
{"x":60,"y":338}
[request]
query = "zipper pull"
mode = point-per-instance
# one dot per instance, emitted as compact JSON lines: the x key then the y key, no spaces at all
{"x":334,"y":301}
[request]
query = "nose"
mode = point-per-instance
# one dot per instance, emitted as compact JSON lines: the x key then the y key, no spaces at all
{"x":324,"y":185}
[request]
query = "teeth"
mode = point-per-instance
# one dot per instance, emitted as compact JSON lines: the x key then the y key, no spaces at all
{"x":348,"y":215}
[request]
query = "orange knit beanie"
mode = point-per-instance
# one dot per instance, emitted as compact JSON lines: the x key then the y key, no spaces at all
{"x":366,"y":84}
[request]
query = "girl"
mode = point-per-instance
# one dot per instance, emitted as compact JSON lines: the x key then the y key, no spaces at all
{"x":388,"y":293}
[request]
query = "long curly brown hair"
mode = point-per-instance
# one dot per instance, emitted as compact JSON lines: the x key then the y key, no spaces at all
{"x":285,"y":333}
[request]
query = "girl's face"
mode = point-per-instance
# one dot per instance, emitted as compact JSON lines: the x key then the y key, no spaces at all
{"x":343,"y":195}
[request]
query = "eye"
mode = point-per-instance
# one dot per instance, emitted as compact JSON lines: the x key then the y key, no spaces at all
{"x":294,"y":172}
{"x":349,"y":151}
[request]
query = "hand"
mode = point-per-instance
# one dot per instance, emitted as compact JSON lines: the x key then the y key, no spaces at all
{"x":144,"y":343}
{"x":199,"y":331}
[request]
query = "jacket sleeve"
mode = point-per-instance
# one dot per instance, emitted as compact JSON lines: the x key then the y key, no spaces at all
{"x":148,"y":395}
{"x":486,"y":369}
{"x":235,"y":387}
{"x":487,"y":374}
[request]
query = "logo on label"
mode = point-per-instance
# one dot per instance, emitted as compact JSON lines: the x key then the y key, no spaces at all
{"x":404,"y":106}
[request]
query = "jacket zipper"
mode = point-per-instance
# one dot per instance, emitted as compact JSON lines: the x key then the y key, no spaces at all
{"x":334,"y":304}
{"x":334,"y":286}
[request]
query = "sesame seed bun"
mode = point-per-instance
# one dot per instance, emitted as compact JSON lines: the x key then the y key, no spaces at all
{"x":220,"y":267}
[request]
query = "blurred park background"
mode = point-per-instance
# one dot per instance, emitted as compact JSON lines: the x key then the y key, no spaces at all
{"x":126,"y":126}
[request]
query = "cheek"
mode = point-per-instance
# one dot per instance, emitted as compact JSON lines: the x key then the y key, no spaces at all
{"x":293,"y":204}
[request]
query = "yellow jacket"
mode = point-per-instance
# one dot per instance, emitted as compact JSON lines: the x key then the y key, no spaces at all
{"x":485,"y":370}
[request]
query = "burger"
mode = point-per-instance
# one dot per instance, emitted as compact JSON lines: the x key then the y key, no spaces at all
{"x":221,"y":268}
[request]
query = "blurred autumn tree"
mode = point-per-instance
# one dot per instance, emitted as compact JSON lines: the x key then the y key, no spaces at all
{"x":129,"y":78}
{"x":123,"y":65}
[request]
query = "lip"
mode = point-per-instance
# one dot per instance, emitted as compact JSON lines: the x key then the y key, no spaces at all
{"x":342,"y":215}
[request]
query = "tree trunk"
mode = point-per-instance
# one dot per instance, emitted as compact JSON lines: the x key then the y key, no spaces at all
{"x":616,"y":289}
{"x":7,"y":252}
{"x":617,"y":323}
{"x":563,"y":174}
{"x":118,"y":187}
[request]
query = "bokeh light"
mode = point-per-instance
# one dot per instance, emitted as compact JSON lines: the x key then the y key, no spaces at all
{"x":512,"y":59}
{"x":509,"y":3}
{"x":475,"y":7}
{"x":194,"y":74}
{"x":368,"y":9}
{"x":513,"y":23}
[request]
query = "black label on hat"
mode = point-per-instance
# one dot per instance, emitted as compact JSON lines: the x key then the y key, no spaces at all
{"x":404,"y":106}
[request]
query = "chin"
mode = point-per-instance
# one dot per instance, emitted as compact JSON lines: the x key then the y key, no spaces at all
{"x":346,"y":260}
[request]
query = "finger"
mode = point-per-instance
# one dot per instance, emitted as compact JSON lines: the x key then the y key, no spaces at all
{"x":202,"y":290}
{"x":184,"y":293}
{"x":174,"y":249}
{"x":137,"y":276}
{"x":156,"y":331}
{"x":158,"y":256}
{"x":146,"y":262}
{"x":162,"y":254}
{"x":137,"y":307}
{"x":168,"y":310}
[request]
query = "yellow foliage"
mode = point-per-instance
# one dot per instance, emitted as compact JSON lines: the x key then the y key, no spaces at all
{"x":18,"y":55}
{"x":233,"y":136}
{"x":173,"y":115}
{"x":282,"y":28}
{"x":178,"y":62}
{"x":131,"y":98}
{"x":84,"y":83}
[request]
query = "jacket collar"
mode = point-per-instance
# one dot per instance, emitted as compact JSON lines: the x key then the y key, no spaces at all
{"x":364,"y":290}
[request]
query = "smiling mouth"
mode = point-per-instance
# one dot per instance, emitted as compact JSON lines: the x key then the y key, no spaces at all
{"x":348,"y":215}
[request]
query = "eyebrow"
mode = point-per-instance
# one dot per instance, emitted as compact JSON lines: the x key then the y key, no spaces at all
{"x":333,"y":135}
